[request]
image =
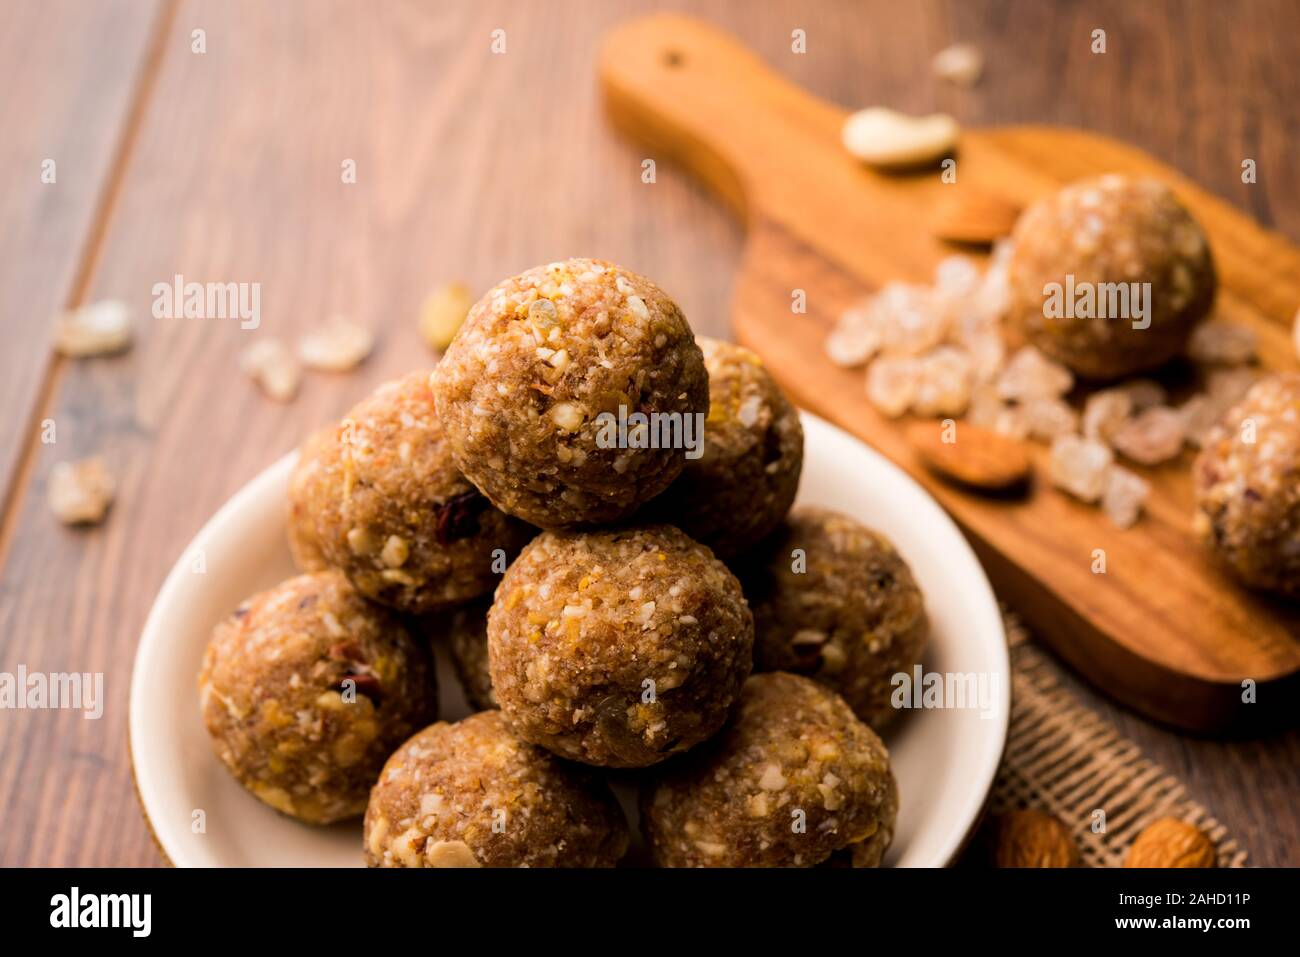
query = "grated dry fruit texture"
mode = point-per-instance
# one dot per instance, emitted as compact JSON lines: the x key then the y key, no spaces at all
{"x":793,"y":746}
{"x":471,"y":794}
{"x":1114,"y":229}
{"x":308,"y":496}
{"x":382,"y":500}
{"x":306,"y":689}
{"x":740,"y":488}
{"x":80,"y":493}
{"x":1248,"y":492}
{"x":618,"y":648}
{"x":522,"y":388}
{"x":851,"y":619}
{"x":467,"y":641}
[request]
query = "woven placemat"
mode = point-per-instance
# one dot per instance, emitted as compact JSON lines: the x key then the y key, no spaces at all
{"x":1065,"y":758}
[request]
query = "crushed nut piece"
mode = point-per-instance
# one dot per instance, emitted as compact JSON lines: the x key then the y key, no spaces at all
{"x":95,"y":329}
{"x":272,"y":366}
{"x":81,"y":492}
{"x":338,"y":346}
{"x":883,"y":137}
{"x":450,"y":854}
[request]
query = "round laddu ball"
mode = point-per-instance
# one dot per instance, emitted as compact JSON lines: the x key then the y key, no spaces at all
{"x":307,"y":490}
{"x":834,"y":600}
{"x":618,"y":648}
{"x":306,"y":689}
{"x":471,"y":794}
{"x":737,"y":491}
{"x":795,"y":780}
{"x":466,"y":636}
{"x":1247,"y":480}
{"x":380,"y":498}
{"x":547,"y":367}
{"x":1104,"y":239}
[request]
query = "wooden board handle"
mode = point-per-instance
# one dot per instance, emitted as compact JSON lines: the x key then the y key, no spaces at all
{"x":692,"y":94}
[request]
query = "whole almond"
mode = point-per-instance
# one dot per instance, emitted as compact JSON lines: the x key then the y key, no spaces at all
{"x":975,"y":457}
{"x":1170,"y":842}
{"x":1033,"y":839}
{"x":972,"y":217}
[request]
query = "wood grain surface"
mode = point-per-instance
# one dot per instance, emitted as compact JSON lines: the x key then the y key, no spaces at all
{"x":469,"y":165}
{"x":818,"y":221}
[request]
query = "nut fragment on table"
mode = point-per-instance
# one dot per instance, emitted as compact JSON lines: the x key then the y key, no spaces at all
{"x":338,"y":346}
{"x":442,"y":314}
{"x":95,"y":329}
{"x":887,"y":138}
{"x":1032,"y":838}
{"x":273,"y":367}
{"x":1170,"y":842}
{"x":81,"y":492}
{"x":960,"y":64}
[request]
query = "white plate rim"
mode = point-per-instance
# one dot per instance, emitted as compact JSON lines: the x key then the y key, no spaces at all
{"x":143,"y":763}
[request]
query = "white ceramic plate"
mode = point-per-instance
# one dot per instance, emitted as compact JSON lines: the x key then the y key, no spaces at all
{"x":945,"y":759}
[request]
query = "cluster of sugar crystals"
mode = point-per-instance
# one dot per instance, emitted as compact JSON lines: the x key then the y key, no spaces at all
{"x":937,"y":351}
{"x":927,"y":347}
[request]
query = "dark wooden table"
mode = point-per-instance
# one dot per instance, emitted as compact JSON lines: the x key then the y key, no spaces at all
{"x":225,"y":165}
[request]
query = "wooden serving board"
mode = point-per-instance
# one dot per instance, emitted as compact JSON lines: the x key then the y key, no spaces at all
{"x":1163,"y":630}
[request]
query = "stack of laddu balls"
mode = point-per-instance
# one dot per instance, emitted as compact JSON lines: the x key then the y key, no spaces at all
{"x":618,"y":635}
